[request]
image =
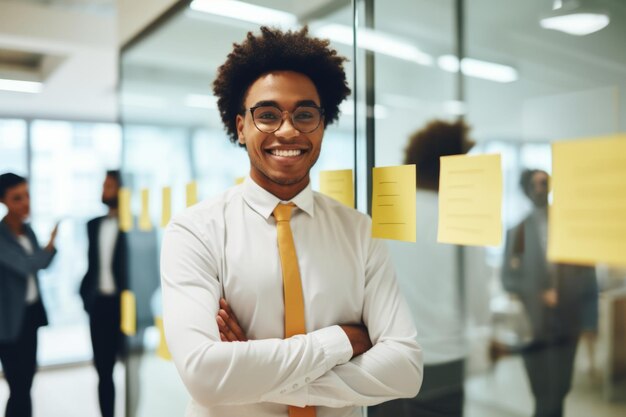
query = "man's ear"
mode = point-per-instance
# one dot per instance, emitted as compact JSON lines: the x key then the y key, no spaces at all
{"x":239,"y":121}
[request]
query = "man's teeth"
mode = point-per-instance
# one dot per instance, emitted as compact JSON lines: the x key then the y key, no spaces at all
{"x":289,"y":152}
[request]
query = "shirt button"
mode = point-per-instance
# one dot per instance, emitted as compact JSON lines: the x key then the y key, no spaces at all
{"x":295,"y":386}
{"x":307,"y":380}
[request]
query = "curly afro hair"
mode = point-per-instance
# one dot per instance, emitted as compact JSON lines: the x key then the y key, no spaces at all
{"x":275,"y":50}
{"x":438,"y":138}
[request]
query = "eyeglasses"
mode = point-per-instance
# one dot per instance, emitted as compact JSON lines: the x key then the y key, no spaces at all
{"x":305,"y":119}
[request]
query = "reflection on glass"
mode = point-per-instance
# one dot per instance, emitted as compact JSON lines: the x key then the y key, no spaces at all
{"x":552,"y":338}
{"x":446,"y":287}
{"x":560,"y":301}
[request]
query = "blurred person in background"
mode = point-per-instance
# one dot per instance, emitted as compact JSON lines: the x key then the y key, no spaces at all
{"x":437,"y":291}
{"x":21,"y":309}
{"x":553,"y":295}
{"x":106,"y":277}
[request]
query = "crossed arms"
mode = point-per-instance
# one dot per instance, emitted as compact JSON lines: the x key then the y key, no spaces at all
{"x":337,"y":366}
{"x":231,"y":331}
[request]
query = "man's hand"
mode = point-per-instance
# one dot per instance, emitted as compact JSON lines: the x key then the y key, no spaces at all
{"x":53,"y":235}
{"x":230,"y":330}
{"x":359,"y":338}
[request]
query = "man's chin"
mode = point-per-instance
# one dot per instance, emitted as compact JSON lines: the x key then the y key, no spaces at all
{"x":287,"y":180}
{"x":110,"y":204}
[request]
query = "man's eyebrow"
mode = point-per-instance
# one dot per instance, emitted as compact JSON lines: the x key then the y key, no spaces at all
{"x":306,"y":103}
{"x":275,"y":104}
{"x":266,"y":103}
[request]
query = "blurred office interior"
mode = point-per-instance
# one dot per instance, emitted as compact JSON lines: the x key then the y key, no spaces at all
{"x":91,"y":85}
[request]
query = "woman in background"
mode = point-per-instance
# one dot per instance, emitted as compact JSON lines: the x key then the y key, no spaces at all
{"x":21,"y":309}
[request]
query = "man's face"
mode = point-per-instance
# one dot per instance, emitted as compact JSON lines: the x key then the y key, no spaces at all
{"x":110,"y":190}
{"x":271,"y":167}
{"x":17,"y":200}
{"x":539,"y":189}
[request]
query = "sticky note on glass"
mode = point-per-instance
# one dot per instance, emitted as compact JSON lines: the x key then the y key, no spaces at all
{"x":470,"y":200}
{"x":338,"y":185}
{"x":145,"y":224}
{"x":393,"y":203}
{"x":162,"y":350}
{"x":239,"y":180}
{"x":192,"y":193}
{"x":587,"y":219}
{"x":166,"y":210}
{"x":125,"y":215}
{"x":128,"y":313}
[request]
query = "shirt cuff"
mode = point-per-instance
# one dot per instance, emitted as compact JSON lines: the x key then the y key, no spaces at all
{"x":336,"y":345}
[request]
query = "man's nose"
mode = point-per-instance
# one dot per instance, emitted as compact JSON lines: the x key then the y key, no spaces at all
{"x":287,"y":130}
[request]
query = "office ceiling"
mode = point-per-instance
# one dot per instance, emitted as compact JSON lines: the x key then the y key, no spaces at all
{"x":71,"y":47}
{"x":182,"y":58}
{"x":92,"y":6}
{"x":74,"y":44}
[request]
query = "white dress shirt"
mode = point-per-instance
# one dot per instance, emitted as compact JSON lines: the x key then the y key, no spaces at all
{"x":227,"y":247}
{"x":428,"y":277}
{"x":107,"y":238}
{"x":540,"y":214}
{"x":32,"y":295}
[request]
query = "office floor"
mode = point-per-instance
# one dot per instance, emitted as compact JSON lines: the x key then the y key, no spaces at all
{"x":501,"y":392}
{"x":504,"y":392}
{"x":68,"y":392}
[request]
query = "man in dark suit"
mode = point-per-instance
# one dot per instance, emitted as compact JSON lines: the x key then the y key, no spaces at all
{"x":106,"y":277}
{"x":552,"y":294}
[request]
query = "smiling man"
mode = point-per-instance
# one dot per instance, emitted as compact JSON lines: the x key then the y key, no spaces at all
{"x":277,"y":301}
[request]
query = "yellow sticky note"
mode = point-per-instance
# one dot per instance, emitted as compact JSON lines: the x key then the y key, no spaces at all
{"x":338,"y":185}
{"x":470,"y":200}
{"x":166,"y":210}
{"x":239,"y":180}
{"x":192,"y":193}
{"x":145,"y":224}
{"x":129,"y":313}
{"x":125,"y":215}
{"x":393,"y":203}
{"x":587,"y":219}
{"x":162,"y":350}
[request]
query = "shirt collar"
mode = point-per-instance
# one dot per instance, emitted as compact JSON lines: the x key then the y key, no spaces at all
{"x":264,"y":202}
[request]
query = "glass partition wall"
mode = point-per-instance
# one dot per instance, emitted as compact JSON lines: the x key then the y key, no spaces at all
{"x":486,"y":63}
{"x":529,"y":83}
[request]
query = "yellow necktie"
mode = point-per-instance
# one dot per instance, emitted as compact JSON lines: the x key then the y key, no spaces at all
{"x":292,"y":287}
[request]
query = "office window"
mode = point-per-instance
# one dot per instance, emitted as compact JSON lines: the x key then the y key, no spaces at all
{"x":69,"y":161}
{"x":217,"y":161}
{"x":156,"y":157}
